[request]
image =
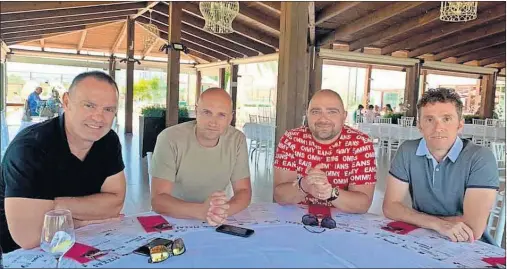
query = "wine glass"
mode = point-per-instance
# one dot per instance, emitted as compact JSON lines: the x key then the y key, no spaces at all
{"x":57,"y":235}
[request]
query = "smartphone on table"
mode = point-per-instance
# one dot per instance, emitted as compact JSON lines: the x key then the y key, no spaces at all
{"x":233,"y":230}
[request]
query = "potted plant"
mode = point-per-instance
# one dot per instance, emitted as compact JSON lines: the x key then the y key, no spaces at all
{"x":152,"y":123}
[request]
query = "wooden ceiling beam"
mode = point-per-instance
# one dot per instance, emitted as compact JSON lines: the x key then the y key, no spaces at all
{"x":35,"y":15}
{"x":81,"y":41}
{"x":444,"y":31}
{"x":334,"y":10}
{"x":162,"y":20}
{"x":501,"y":65}
{"x":458,"y":39}
{"x":238,"y":27}
{"x":367,"y":21}
{"x":214,"y":49}
{"x":149,"y":6}
{"x":42,"y":28}
{"x":239,"y":39}
{"x":252,"y":16}
{"x":497,"y":59}
{"x":52,"y":21}
{"x":16,"y":7}
{"x":119,"y":38}
{"x":477,"y":45}
{"x":273,"y":6}
{"x":397,"y":29}
{"x":147,"y":50}
{"x":482,"y":54}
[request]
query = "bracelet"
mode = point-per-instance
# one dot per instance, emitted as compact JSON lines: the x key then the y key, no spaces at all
{"x":299,"y":184}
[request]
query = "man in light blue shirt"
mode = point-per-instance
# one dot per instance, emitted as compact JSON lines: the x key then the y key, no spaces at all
{"x":452,"y":182}
{"x":33,"y":100}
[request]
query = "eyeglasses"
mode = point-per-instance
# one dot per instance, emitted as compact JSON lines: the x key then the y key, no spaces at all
{"x":160,"y":253}
{"x":313,"y":220}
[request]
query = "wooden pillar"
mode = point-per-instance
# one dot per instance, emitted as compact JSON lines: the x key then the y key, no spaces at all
{"x":129,"y":98}
{"x":198,"y":80}
{"x":424,"y":80}
{"x":412,"y":89}
{"x":234,"y":91}
{"x":488,"y":89}
{"x":367,"y":87}
{"x":221,"y":78}
{"x":315,"y":75}
{"x":112,"y":67}
{"x":293,"y":67}
{"x":173,"y":65}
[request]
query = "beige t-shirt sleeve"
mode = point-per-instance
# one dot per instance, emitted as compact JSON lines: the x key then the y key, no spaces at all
{"x":164,"y":159}
{"x":241,"y":168}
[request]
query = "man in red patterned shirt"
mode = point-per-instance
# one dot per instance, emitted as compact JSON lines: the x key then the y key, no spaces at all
{"x":326,"y":163}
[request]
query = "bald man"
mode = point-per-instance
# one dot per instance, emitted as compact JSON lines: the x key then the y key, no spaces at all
{"x":325,"y":163}
{"x":193,"y":163}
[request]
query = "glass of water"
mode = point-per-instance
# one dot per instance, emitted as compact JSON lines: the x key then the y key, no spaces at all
{"x":58,"y":234}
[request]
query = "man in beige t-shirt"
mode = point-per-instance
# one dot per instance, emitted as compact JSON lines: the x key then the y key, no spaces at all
{"x":193,"y":163}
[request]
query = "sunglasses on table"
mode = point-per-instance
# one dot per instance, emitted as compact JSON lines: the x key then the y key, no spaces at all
{"x":160,"y":253}
{"x":316,"y":221}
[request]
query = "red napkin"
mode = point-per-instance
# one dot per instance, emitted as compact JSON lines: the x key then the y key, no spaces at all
{"x":324,"y":211}
{"x":79,"y":251}
{"x":495,"y":260}
{"x":399,"y":227}
{"x":154,"y":224}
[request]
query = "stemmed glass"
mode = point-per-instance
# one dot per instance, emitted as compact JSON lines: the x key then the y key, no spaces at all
{"x":58,"y":234}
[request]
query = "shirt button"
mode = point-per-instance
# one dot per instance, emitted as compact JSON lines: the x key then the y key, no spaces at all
{"x":438,"y":169}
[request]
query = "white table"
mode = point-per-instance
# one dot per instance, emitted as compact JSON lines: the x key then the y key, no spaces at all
{"x":279,"y":241}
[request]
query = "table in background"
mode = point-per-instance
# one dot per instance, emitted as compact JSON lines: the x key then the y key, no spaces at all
{"x":279,"y":241}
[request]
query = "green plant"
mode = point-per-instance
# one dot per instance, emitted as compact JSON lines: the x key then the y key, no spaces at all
{"x":470,"y":118}
{"x":183,"y":112}
{"x":394,"y":117}
{"x":153,"y":111}
{"x":160,"y":111}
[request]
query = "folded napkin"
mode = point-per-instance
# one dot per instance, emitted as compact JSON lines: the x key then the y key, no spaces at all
{"x":154,"y":223}
{"x":399,"y":227}
{"x":83,"y":253}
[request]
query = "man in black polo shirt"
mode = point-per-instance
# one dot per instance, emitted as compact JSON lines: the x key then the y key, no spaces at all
{"x":70,"y":162}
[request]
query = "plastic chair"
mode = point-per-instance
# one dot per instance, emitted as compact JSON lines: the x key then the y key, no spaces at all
{"x":494,"y":233}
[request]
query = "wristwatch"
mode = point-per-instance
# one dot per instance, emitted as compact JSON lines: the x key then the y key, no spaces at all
{"x":334,"y":194}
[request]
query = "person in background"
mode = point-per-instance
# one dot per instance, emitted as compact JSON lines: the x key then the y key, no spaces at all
{"x":369,"y":116}
{"x":358,"y":113}
{"x":33,"y":101}
{"x":389,"y":109}
{"x":377,"y":111}
{"x":453,"y":183}
{"x":325,"y":163}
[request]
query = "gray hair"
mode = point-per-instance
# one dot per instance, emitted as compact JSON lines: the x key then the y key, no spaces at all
{"x":441,"y":95}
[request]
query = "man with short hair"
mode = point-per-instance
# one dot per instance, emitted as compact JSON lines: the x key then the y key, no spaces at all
{"x":72,"y":162}
{"x":326,"y":163}
{"x":33,"y":101}
{"x":194,"y":162}
{"x":452,"y":182}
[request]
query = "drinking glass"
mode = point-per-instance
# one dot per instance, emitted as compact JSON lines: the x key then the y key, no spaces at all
{"x":58,"y":234}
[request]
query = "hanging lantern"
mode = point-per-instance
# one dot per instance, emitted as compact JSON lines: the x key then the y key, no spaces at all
{"x":150,"y":39}
{"x":458,"y":11}
{"x":218,"y":16}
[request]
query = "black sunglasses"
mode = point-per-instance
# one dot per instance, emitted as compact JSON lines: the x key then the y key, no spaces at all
{"x":312,"y":220}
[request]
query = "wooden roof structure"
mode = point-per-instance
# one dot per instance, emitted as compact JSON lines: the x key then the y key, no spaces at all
{"x":402,"y":29}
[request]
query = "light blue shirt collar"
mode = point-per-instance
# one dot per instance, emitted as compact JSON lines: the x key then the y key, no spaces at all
{"x":422,"y":150}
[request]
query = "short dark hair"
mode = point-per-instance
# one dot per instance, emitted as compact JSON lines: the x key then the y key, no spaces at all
{"x":98,"y":75}
{"x":370,"y":107}
{"x":441,"y":95}
{"x":360,"y":107}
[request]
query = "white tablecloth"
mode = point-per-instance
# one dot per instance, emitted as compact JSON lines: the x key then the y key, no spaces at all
{"x":279,"y":241}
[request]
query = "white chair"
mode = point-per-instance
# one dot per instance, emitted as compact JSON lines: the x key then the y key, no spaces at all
{"x":498,"y":149}
{"x":479,"y":135}
{"x":491,"y":122}
{"x":148,"y":159}
{"x":383,"y":120}
{"x":478,"y":122}
{"x":496,"y":222}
